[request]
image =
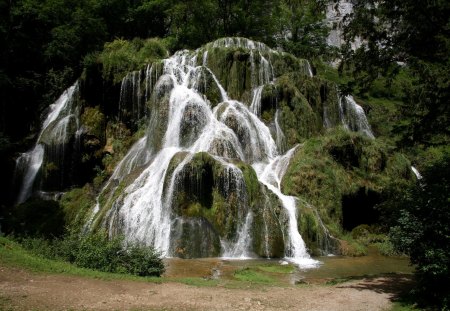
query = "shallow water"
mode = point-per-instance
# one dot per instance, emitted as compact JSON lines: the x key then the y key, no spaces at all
{"x":331,"y":267}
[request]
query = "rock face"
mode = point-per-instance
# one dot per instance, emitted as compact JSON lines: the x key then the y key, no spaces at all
{"x":335,"y":18}
{"x":198,"y":146}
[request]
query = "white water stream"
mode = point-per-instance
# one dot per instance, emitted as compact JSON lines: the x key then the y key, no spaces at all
{"x":54,"y":131}
{"x":230,"y":132}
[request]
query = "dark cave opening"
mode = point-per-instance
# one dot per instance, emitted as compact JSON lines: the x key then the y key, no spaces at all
{"x":358,"y":208}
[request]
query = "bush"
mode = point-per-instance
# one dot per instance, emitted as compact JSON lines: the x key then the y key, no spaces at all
{"x":121,"y":56}
{"x":423,"y":232}
{"x":142,"y":261}
{"x":98,"y":252}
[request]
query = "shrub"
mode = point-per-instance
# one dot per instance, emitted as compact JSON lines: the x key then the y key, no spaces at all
{"x":121,"y":56}
{"x":142,"y":261}
{"x":98,"y":252}
{"x":423,"y":232}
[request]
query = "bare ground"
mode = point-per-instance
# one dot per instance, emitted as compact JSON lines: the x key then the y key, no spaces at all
{"x":22,"y":290}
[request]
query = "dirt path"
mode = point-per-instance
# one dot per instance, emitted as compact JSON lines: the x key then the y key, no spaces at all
{"x":21,"y":290}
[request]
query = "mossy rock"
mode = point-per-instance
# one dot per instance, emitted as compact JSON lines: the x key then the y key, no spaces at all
{"x":195,"y":118}
{"x":209,"y":194}
{"x":159,"y":112}
{"x":326,"y":169}
{"x":204,"y":187}
{"x":121,"y":56}
{"x":269,"y":227}
{"x":284,"y":63}
{"x":193,"y":237}
{"x":76,"y":204}
{"x":206,"y":85}
{"x":315,"y":235}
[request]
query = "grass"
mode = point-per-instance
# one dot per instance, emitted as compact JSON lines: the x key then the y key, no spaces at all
{"x":285,"y":269}
{"x":401,"y":306}
{"x":12,"y":254}
{"x":5,"y":304}
{"x":252,"y":276}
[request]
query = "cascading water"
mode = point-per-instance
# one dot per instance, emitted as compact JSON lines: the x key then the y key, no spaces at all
{"x":229,"y":137}
{"x":271,"y":174}
{"x":240,"y":250}
{"x":353,"y":116}
{"x":61,"y":123}
{"x":416,"y":173}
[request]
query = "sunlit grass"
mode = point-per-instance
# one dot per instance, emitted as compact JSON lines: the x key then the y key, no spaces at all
{"x":12,"y":254}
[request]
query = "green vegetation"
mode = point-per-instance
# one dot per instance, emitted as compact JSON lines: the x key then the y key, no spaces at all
{"x":76,"y":205}
{"x":400,"y":76}
{"x":121,"y":56}
{"x":285,"y":269}
{"x":303,"y":19}
{"x":405,"y":81}
{"x":13,"y":254}
{"x":98,"y":252}
{"x":326,"y":169}
{"x":401,"y":306}
{"x":35,"y":218}
{"x":423,"y":232}
{"x":252,"y":276}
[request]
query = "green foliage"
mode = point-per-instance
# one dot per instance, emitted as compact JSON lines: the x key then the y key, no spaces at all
{"x":284,"y":269}
{"x":98,"y":252}
{"x":142,"y":261}
{"x":76,"y":204}
{"x":250,"y":275}
{"x":416,"y":34}
{"x":423,"y":231}
{"x":35,"y":217}
{"x":303,"y":31}
{"x":351,"y":247}
{"x":121,"y":56}
{"x":13,"y":254}
{"x":326,"y":168}
{"x":93,"y":121}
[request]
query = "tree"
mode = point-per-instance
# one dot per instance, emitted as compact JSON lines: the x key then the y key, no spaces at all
{"x":423,"y":232}
{"x":411,"y":34}
{"x":413,"y":37}
{"x":302,"y":29}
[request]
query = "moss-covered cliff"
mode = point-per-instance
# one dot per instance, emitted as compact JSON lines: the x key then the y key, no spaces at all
{"x":184,"y":145}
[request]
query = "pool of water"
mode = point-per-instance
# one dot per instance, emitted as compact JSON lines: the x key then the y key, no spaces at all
{"x":330,"y":267}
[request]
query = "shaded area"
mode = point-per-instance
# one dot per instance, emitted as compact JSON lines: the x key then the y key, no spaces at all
{"x":358,"y":208}
{"x":396,"y":285}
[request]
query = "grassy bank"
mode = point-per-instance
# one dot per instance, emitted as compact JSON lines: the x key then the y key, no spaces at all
{"x":13,"y":255}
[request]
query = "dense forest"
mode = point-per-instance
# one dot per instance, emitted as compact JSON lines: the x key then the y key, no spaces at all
{"x":399,"y":72}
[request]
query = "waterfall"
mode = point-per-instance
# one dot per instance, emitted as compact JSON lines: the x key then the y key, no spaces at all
{"x":255,"y":106}
{"x":271,"y":174}
{"x":280,"y":138}
{"x":184,"y":128}
{"x":240,"y":250}
{"x":55,"y":133}
{"x":353,"y":116}
{"x":416,"y":172}
{"x":32,"y":162}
